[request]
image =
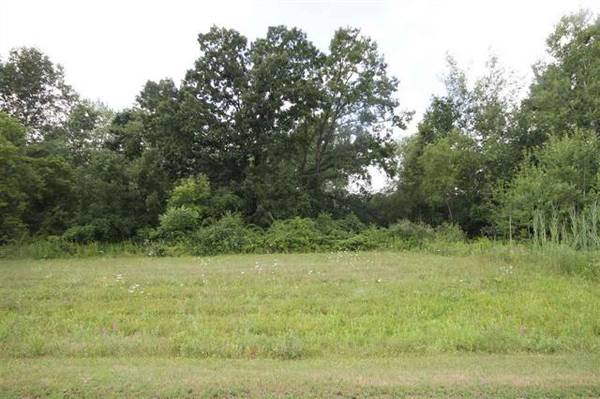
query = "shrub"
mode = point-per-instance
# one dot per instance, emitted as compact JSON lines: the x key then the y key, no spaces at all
{"x":80,"y":234}
{"x":176,"y":222}
{"x":191,"y":192}
{"x":412,"y":234}
{"x":371,"y":238}
{"x":351,"y":223}
{"x":331,"y":231}
{"x":98,"y":230}
{"x":222,"y":201}
{"x":12,"y":229}
{"x":449,"y":232}
{"x":50,"y":247}
{"x":145,"y":235}
{"x":297,"y":234}
{"x":227,"y":235}
{"x":326,"y":224}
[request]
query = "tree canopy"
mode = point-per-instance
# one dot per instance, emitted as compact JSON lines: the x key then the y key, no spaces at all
{"x":277,"y":128}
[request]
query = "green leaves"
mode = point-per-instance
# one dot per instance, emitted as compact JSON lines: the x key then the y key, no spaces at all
{"x":463,"y":147}
{"x":244,"y":105}
{"x":283,"y":129}
{"x":192,"y":192}
{"x":451,"y":174}
{"x":564,"y":176}
{"x":566,"y":91}
{"x":34,"y":91}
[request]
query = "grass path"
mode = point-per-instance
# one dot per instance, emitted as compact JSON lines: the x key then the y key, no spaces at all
{"x":456,"y":375}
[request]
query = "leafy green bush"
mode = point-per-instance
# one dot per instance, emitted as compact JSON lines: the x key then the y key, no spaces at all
{"x":80,"y":234}
{"x":369,"y":239}
{"x":228,"y":235}
{"x":297,"y":234}
{"x":331,"y":231}
{"x":411,"y":234}
{"x":191,"y":192}
{"x":326,"y":224}
{"x":176,"y":222}
{"x":351,"y":223}
{"x":554,"y":186}
{"x":97,"y":230}
{"x":222,"y":201}
{"x":146,"y":235}
{"x":449,"y":232}
{"x":12,"y":229}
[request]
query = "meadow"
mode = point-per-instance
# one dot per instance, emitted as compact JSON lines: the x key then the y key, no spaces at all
{"x":347,"y":324}
{"x":278,"y":221}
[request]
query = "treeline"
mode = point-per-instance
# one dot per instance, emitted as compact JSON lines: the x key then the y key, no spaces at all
{"x":270,"y":134}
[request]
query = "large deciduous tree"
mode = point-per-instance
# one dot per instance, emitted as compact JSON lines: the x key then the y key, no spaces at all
{"x":283,"y":123}
{"x":565,"y":94}
{"x":463,"y":146}
{"x":33,"y":90}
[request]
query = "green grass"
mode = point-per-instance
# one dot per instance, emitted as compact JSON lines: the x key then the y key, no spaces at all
{"x":473,"y":375}
{"x":374,"y":323}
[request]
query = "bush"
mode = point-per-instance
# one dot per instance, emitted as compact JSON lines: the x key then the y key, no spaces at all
{"x":80,"y":234}
{"x":176,"y":222}
{"x":326,"y":224}
{"x":412,"y":234}
{"x":222,"y":201}
{"x":369,"y":239}
{"x":351,"y":223}
{"x":297,"y":234}
{"x":227,"y":235}
{"x":449,"y":232}
{"x":191,"y":192}
{"x":331,"y":231}
{"x":98,"y":230}
{"x":145,"y":235}
{"x":12,"y":230}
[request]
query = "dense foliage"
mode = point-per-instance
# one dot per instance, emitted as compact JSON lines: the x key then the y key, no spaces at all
{"x":262,"y":143}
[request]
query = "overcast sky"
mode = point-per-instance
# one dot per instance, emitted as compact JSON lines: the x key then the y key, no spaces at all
{"x":110,"y":48}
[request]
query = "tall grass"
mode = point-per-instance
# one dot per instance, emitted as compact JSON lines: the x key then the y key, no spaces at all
{"x":576,"y":229}
{"x":50,"y":248}
{"x":568,"y":242}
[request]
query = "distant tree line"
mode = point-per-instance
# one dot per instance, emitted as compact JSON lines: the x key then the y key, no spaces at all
{"x":277,"y":129}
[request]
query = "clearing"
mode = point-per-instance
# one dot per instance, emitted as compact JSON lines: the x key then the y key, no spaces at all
{"x":372,"y":324}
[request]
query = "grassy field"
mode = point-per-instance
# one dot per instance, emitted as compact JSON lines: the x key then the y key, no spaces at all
{"x":338,"y":324}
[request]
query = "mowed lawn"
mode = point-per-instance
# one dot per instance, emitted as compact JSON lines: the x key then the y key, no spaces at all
{"x":373,"y":324}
